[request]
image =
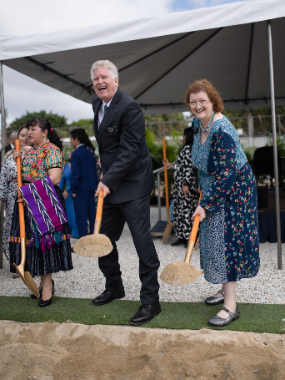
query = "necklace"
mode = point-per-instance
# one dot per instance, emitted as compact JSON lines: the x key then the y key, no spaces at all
{"x":209,"y":125}
{"x":41,"y":145}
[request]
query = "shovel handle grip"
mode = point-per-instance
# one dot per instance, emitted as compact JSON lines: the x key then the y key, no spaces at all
{"x":100,"y":203}
{"x":165,"y":174}
{"x":20,"y":205}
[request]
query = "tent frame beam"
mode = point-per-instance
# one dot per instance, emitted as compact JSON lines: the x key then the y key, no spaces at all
{"x":249,"y":63}
{"x":275,"y":152}
{"x":3,"y":141}
{"x":179,"y":62}
{"x":88,"y":89}
{"x":156,"y":51}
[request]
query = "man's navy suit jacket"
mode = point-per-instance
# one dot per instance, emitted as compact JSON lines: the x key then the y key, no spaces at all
{"x":83,"y":170}
{"x":124,"y":156}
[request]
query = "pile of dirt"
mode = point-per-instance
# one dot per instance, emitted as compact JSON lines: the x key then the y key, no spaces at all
{"x":180,"y":273}
{"x":53,"y":351}
{"x":93,"y":246}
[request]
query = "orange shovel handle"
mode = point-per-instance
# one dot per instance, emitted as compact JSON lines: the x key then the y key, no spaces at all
{"x":100,"y":203}
{"x":20,"y":205}
{"x":195,"y":225}
{"x":165,"y":173}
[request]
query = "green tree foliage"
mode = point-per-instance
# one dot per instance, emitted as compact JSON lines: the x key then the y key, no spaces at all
{"x":55,"y":120}
{"x":82,"y":123}
{"x":166,"y":124}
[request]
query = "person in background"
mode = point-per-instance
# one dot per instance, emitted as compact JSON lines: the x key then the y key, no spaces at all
{"x":185,"y":195}
{"x":13,"y":137}
{"x":229,"y":244}
{"x":83,"y":181}
{"x":69,"y":204}
{"x":50,"y":252}
{"x":8,"y":184}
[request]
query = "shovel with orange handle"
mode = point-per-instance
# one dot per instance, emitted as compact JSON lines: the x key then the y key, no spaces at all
{"x":25,"y":275}
{"x":96,"y":245}
{"x":182,"y":272}
{"x":169,"y":225}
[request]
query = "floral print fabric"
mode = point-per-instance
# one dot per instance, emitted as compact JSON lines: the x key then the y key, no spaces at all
{"x":37,"y":162}
{"x":229,"y":242}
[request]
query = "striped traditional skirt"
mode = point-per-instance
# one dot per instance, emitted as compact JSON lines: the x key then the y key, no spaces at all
{"x":53,"y":260}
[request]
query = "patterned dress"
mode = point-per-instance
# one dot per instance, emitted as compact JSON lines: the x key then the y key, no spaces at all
{"x":8,"y":194}
{"x":184,"y":207}
{"x":229,"y":244}
{"x":35,"y":165}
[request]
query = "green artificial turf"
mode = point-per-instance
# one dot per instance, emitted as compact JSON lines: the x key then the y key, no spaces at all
{"x":174,"y":315}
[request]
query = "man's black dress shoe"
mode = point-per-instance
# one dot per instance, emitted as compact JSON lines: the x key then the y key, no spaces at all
{"x":145,"y":314}
{"x":108,"y":296}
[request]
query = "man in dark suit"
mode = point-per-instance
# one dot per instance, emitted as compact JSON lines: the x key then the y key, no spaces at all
{"x":119,"y":128}
{"x":83,"y":181}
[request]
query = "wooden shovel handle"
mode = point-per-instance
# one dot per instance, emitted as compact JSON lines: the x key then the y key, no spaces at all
{"x":195,"y":224}
{"x":20,"y":204}
{"x":100,"y":203}
{"x":165,"y":174}
{"x":193,"y":236}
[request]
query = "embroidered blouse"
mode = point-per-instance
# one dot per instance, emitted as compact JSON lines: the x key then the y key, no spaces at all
{"x":37,"y":162}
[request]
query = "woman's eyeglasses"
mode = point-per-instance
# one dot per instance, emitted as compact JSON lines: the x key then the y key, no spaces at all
{"x":203,"y":103}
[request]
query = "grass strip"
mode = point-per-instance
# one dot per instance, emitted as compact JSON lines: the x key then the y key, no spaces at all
{"x":174,"y":315}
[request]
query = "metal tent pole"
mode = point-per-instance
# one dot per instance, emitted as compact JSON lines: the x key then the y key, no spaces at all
{"x":275,"y":156}
{"x":3,"y":140}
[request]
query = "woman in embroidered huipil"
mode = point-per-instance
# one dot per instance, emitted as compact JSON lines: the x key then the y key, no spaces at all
{"x":8,"y":184}
{"x":229,"y":245}
{"x":51,"y":252}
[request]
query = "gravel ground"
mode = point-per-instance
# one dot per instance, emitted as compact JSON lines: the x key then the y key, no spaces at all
{"x":86,"y":280}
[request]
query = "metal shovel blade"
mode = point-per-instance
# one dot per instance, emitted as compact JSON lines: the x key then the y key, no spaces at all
{"x":25,"y":275}
{"x":180,"y":273}
{"x":93,"y":246}
{"x":167,"y":232}
{"x":96,"y":245}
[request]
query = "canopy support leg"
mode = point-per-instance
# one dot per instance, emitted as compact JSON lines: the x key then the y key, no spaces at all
{"x":275,"y":155}
{"x":3,"y":140}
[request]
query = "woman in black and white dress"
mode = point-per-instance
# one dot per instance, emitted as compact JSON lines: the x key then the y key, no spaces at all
{"x":185,"y":195}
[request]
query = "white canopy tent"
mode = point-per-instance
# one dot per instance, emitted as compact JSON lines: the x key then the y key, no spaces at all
{"x":158,"y":57}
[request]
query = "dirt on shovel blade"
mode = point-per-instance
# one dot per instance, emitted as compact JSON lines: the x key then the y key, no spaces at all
{"x":180,"y":273}
{"x":93,"y":246}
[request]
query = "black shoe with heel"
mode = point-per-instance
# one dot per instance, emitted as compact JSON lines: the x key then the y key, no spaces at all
{"x":178,"y":242}
{"x":49,"y":301}
{"x":40,"y":291}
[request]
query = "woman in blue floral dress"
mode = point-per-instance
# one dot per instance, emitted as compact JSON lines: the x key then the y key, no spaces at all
{"x":229,"y":245}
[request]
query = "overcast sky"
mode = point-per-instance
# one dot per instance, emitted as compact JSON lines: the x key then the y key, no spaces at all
{"x":33,"y":16}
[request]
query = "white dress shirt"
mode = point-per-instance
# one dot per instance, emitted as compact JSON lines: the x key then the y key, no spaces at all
{"x":101,"y":112}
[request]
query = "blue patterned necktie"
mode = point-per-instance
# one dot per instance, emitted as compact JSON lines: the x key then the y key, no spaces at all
{"x":105,"y":109}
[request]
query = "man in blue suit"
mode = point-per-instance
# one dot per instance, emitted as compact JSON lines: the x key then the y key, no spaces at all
{"x":83,"y":180}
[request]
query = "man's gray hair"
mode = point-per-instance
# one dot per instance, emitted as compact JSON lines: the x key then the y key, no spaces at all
{"x":105,"y":63}
{"x":13,"y":135}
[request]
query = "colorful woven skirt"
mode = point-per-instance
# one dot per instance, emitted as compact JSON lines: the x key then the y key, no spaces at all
{"x":57,"y":258}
